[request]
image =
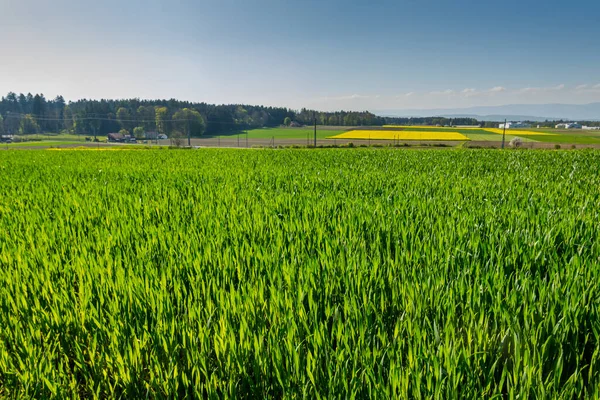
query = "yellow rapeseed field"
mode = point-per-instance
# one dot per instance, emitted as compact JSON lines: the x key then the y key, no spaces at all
{"x":431,"y":126}
{"x":400,"y":135}
{"x":515,"y":132}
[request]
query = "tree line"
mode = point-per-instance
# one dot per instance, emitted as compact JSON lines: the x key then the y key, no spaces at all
{"x":26,"y":114}
{"x":443,"y":121}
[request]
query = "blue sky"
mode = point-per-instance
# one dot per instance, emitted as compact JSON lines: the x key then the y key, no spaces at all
{"x":324,"y":54}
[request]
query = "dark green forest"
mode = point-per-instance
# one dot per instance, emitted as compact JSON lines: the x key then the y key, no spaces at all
{"x":28,"y":114}
{"x":35,"y":114}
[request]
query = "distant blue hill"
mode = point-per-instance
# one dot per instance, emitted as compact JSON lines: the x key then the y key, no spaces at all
{"x":513,"y":112}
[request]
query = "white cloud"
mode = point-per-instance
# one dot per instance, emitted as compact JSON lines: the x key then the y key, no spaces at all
{"x":444,"y":92}
{"x":409,"y":94}
{"x":529,"y":90}
{"x":587,"y":89}
{"x":497,"y":89}
{"x":469,"y":92}
{"x":541,"y":89}
{"x":353,"y":97}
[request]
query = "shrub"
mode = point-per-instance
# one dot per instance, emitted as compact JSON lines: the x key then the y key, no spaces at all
{"x":516,"y":142}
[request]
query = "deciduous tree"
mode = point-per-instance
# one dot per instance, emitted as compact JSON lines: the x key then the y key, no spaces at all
{"x":124,"y":118}
{"x":189,"y":121}
{"x":28,"y":125}
{"x":146,"y":116}
{"x":160,"y":118}
{"x":138,"y":132}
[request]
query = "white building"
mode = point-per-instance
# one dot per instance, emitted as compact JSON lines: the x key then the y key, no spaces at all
{"x":514,"y":125}
{"x":573,"y":125}
{"x":569,"y":125}
{"x":591,"y":128}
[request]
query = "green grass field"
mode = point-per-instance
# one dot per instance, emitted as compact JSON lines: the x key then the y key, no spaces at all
{"x":493,"y":137}
{"x":323,"y":132}
{"x":285,"y":133}
{"x":41,"y":143}
{"x":329,"y":273}
{"x":570,"y":138}
{"x":326,"y":132}
{"x":60,"y":137}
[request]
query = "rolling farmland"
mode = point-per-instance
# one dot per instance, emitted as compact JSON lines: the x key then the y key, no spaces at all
{"x":439,"y":133}
{"x":341,"y":136}
{"x":296,"y":273}
{"x":287,"y":133}
{"x":400,"y":135}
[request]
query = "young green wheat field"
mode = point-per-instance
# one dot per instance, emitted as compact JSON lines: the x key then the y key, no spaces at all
{"x":340,"y":273}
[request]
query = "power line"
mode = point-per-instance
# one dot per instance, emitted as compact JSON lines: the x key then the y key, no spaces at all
{"x":76,"y":118}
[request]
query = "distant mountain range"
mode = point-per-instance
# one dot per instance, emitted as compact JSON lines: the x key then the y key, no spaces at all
{"x":511,"y":112}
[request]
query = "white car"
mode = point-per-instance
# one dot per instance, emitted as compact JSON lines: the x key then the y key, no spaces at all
{"x":162,"y":136}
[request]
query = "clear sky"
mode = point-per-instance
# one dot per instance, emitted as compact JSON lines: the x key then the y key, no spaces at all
{"x":327,"y":54}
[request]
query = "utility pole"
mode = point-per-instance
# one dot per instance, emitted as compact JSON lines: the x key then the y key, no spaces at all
{"x":315,"y":121}
{"x":504,"y":133}
{"x":189,"y":132}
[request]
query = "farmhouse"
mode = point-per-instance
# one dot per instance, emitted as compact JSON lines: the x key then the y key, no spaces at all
{"x":514,"y":125}
{"x":116,"y":137}
{"x":119,"y":138}
{"x":156,"y":135}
